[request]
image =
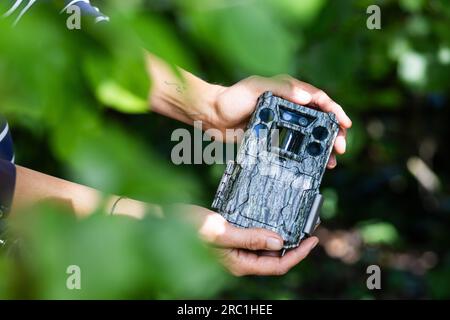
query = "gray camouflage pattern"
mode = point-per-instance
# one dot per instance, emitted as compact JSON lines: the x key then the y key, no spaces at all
{"x":274,"y":183}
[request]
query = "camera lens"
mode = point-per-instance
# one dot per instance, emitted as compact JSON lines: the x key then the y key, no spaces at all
{"x":314,"y":149}
{"x":260,"y":129}
{"x":320,"y":133}
{"x":266,"y":115}
{"x":303,"y":121}
{"x":287,"y":116}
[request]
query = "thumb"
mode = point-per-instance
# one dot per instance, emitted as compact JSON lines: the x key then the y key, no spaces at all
{"x":252,"y":239}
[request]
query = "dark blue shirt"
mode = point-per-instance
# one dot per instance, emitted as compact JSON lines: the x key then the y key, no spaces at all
{"x":7,"y":168}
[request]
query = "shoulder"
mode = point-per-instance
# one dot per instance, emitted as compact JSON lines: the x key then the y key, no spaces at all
{"x":7,"y":168}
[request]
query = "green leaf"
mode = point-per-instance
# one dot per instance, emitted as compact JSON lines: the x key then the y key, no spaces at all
{"x":246,"y":36}
{"x":115,"y":96}
{"x":379,"y":233}
{"x":302,"y":12}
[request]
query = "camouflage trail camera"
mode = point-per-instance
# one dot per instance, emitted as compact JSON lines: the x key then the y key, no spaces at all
{"x":274,"y":183}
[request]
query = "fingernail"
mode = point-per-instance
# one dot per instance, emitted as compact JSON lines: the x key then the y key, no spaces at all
{"x":348,"y":120}
{"x":331,"y":162}
{"x":343,"y":144}
{"x":314,"y":244}
{"x":302,"y":95}
{"x":274,"y":244}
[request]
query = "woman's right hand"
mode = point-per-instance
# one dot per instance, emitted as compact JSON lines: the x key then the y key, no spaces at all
{"x":238,"y":247}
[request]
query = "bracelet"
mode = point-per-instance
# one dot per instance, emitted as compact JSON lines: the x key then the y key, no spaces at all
{"x":115,"y":204}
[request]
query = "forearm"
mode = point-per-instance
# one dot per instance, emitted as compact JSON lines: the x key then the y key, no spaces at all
{"x":183,"y":97}
{"x":33,"y":187}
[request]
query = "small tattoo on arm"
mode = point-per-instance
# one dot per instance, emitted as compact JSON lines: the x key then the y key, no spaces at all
{"x":179,"y":87}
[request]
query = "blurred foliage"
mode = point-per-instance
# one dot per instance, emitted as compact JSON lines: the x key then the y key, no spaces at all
{"x":119,"y":257}
{"x":71,"y":97}
{"x":381,"y":232}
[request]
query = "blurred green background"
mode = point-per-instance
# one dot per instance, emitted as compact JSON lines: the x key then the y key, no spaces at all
{"x":76,"y":102}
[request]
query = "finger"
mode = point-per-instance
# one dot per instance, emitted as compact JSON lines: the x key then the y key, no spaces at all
{"x":285,"y":87}
{"x":268,"y":253}
{"x":340,"y":144}
{"x":294,"y":94}
{"x":326,"y":104}
{"x":215,"y":229}
{"x":251,"y":264}
{"x":251,"y":239}
{"x":332,"y":162}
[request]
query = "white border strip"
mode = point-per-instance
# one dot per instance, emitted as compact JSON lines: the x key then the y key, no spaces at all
{"x":4,"y":132}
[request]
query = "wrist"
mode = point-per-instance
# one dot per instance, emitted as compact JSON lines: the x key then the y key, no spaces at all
{"x":118,"y":205}
{"x":204,"y":106}
{"x":182,"y":96}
